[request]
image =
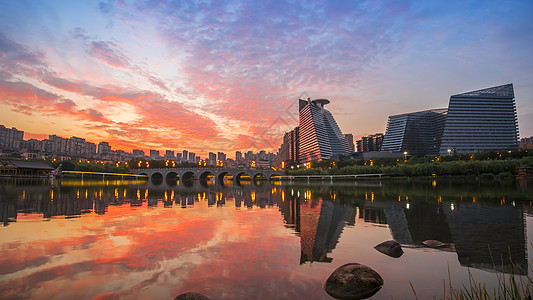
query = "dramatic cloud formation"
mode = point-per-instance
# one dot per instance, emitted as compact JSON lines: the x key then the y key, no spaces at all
{"x":225,"y":75}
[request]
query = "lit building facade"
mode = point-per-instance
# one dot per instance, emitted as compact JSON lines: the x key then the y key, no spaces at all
{"x":319,"y":135}
{"x":480,"y":121}
{"x":417,"y":133}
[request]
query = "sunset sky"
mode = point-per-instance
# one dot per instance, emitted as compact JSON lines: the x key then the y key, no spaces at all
{"x":226,"y":75}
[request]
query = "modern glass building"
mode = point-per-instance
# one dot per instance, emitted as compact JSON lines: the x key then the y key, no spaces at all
{"x":417,"y":133}
{"x":480,"y":121}
{"x":319,"y":135}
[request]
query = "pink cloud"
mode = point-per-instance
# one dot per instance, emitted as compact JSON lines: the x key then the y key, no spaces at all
{"x":27,"y":99}
{"x":108,"y":53}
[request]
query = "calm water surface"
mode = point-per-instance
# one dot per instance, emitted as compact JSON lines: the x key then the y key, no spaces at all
{"x":136,"y":240}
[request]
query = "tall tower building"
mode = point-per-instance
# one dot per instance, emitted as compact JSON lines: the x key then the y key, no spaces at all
{"x":319,"y":135}
{"x":480,"y":121}
{"x":418,"y":133}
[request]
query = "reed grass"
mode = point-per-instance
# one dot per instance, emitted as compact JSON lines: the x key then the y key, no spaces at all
{"x":510,"y":287}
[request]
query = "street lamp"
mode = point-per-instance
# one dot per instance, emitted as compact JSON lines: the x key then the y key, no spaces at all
{"x":449,"y":152}
{"x":405,"y":155}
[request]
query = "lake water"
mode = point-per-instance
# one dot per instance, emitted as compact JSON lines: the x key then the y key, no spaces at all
{"x":76,"y":239}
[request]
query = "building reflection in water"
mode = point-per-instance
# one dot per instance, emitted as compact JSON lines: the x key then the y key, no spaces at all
{"x":484,"y":235}
{"x":319,"y":223}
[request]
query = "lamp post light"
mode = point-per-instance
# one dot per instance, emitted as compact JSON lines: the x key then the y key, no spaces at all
{"x":449,"y":152}
{"x":405,"y":155}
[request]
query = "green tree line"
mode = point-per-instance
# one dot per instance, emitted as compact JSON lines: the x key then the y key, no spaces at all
{"x":415,"y":166}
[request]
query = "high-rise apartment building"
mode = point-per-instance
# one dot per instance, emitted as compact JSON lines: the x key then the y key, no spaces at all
{"x":370,"y":143}
{"x":221,"y":156}
{"x":480,"y":121}
{"x":154,"y":154}
{"x":283,"y":151}
{"x":74,"y":147}
{"x":349,"y":139}
{"x":249,"y":155}
{"x":294,"y":145}
{"x":137,"y":153}
{"x":169,"y":154}
{"x":10,"y":139}
{"x":319,"y":135}
{"x":104,"y":148}
{"x":289,"y":151}
{"x":212,"y":157}
{"x":417,"y":133}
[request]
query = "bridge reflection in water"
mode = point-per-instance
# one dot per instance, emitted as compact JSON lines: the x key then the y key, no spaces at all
{"x":484,"y":235}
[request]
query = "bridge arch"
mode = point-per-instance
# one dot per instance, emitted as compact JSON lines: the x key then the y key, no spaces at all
{"x":171,"y":176}
{"x":156,"y":178}
{"x":223,"y":174}
{"x":238,"y":176}
{"x":273,"y":176}
{"x":204,"y":177}
{"x":189,"y":175}
{"x":260,"y":176}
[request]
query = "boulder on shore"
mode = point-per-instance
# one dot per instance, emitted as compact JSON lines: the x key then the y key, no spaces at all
{"x":353,"y":281}
{"x":191,"y":296}
{"x":433,"y":243}
{"x":391,"y":248}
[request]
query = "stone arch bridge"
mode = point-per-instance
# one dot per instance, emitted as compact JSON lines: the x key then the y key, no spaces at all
{"x":203,"y":174}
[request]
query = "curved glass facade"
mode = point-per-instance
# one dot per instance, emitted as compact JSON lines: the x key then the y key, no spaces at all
{"x":417,"y":133}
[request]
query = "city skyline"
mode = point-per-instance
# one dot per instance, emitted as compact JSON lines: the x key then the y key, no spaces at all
{"x":13,"y":141}
{"x":227,"y":75}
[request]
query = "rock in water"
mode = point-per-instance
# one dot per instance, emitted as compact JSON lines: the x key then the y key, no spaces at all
{"x":391,"y":248}
{"x":353,"y":281}
{"x":433,"y":243}
{"x":191,"y":296}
